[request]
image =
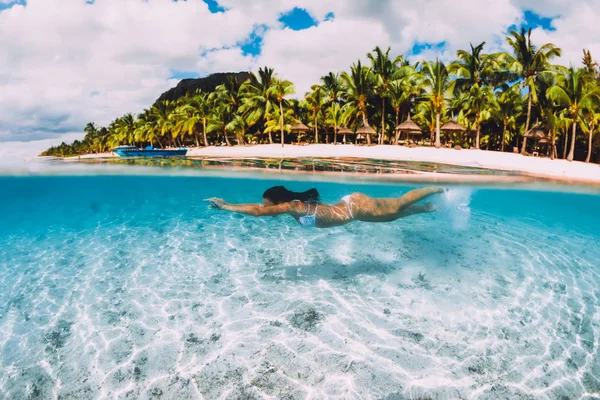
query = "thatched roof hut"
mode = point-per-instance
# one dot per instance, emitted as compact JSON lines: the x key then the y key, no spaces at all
{"x":545,"y":140}
{"x":299,"y":127}
{"x":453,"y":126}
{"x":366,"y":130}
{"x":344,"y":131}
{"x":409,"y":126}
{"x":535,"y":133}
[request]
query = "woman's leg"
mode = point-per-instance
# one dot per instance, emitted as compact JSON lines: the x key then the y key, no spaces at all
{"x":368,"y":209}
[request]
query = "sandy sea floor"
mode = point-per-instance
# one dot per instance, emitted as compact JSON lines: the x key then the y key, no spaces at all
{"x":135,"y":289}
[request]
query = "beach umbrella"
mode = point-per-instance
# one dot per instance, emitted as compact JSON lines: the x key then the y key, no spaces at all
{"x":546,"y":141}
{"x":344,"y":131}
{"x":365,"y":131}
{"x":535,"y":133}
{"x":299,"y":128}
{"x":453,"y":126}
{"x":408,"y":126}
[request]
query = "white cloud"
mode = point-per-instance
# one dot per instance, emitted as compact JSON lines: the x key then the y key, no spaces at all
{"x":305,"y":56}
{"x":577,"y":29}
{"x":64,"y":62}
{"x":17,"y":151}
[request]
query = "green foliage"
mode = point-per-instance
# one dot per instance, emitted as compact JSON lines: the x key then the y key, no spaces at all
{"x":494,"y":95}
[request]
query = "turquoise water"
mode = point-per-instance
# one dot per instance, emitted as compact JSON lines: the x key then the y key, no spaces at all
{"x":131,"y":287}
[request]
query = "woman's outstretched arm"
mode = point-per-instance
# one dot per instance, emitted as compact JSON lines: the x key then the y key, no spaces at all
{"x":256,"y":210}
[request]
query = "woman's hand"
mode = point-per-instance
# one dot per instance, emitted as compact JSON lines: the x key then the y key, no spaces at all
{"x":217,"y":203}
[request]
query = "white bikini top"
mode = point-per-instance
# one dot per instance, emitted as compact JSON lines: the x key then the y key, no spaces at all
{"x":309,"y":220}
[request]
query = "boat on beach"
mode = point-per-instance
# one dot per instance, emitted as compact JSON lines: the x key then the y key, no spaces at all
{"x":132,"y":151}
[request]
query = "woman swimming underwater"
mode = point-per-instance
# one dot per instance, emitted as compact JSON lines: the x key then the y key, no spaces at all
{"x":307,"y":209}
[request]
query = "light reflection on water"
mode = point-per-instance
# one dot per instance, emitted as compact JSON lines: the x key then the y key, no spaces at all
{"x":348,"y":164}
{"x":130,"y":286}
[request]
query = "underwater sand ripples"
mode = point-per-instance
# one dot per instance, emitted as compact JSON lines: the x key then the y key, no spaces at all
{"x":230,"y":306}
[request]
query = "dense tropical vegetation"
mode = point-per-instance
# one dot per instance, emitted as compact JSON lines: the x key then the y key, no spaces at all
{"x":498,"y":98}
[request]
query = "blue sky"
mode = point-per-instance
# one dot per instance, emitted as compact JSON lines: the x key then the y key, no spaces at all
{"x":9,"y":4}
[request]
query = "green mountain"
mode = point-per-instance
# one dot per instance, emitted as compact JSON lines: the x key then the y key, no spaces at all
{"x":207,"y":84}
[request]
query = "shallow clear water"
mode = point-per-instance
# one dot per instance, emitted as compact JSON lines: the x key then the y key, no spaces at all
{"x":306,"y":164}
{"x":131,"y":287}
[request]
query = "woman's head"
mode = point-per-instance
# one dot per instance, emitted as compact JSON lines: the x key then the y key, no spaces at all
{"x":279,"y":194}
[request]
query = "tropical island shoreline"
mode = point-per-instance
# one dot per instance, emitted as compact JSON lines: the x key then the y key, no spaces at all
{"x":526,"y":166}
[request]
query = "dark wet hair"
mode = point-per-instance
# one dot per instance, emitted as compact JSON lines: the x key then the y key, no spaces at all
{"x":279,"y":194}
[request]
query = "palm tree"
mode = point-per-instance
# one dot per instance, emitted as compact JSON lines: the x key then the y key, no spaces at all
{"x":384,"y":70}
{"x":256,"y":102}
{"x":91,"y":130}
{"x":471,"y":68}
{"x":163,"y":124}
{"x":575,"y":93}
{"x":591,"y":121}
{"x":334,"y":118}
{"x":274,"y":120}
{"x":528,"y":62}
{"x":591,"y":66}
{"x":437,"y":82}
{"x":125,"y":128}
{"x":315,"y":101}
{"x":332,"y":86}
{"x":397,"y":96}
{"x":510,"y":108}
{"x":480,"y":103}
{"x":238,"y":125}
{"x":357,"y":87}
{"x":147,"y":130}
{"x":279,"y":89}
{"x":193,"y":113}
{"x":427,"y":116}
{"x":217,"y":120}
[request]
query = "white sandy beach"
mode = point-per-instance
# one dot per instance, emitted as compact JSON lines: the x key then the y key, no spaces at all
{"x":535,"y":166}
{"x":542,"y":167}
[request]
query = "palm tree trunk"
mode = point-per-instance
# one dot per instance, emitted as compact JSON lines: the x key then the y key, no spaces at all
{"x":281,"y":120}
{"x":529,"y":102}
{"x":565,"y":142}
{"x":204,"y":132}
{"x":381,"y":138}
{"x":335,"y":133}
{"x":589,"y":154}
{"x":316,"y":130}
{"x":438,"y":142}
{"x":397,"y":109}
{"x":477,"y":138}
{"x":572,"y":149}
{"x":226,"y":138}
{"x":503,"y":134}
{"x":553,"y":155}
{"x":366,"y":123}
